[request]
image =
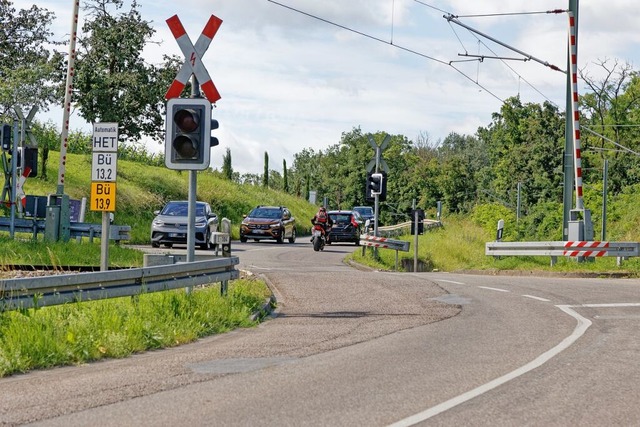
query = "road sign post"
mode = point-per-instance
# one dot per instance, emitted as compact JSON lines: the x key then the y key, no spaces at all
{"x":194,"y":68}
{"x":103,"y":180}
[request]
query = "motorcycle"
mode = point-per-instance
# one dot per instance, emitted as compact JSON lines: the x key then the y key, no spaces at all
{"x":318,"y":237}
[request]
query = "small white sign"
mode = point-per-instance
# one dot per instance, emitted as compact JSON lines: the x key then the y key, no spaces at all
{"x":105,"y":137}
{"x":103,"y":166}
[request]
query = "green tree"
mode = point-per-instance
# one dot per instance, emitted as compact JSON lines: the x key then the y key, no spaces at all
{"x":227,"y":170}
{"x":524,"y":143}
{"x":265,"y":175}
{"x":31,"y":74}
{"x":285,"y":177}
{"x":113,"y":83}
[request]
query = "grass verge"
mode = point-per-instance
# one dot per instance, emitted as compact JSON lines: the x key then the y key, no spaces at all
{"x":460,"y":246}
{"x":116,"y":328}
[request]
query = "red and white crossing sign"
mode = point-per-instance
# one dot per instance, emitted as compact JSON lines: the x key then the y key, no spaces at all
{"x":193,"y":58}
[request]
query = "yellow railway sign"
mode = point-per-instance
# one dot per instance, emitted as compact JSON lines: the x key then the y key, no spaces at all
{"x":103,"y":196}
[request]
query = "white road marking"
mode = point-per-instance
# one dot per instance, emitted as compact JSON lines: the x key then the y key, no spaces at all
{"x":494,"y":289}
{"x":536,"y":298}
{"x":580,"y":329}
{"x":622,"y":304}
{"x":450,"y":281}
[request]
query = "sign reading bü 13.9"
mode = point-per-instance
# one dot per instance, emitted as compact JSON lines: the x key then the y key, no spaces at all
{"x":103,"y":167}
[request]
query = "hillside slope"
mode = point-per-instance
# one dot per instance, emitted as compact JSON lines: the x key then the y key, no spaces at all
{"x":141,"y":189}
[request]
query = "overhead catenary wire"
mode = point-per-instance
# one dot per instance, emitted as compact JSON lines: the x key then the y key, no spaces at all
{"x":509,"y":13}
{"x":451,"y":18}
{"x":369,"y":36}
{"x":450,"y":63}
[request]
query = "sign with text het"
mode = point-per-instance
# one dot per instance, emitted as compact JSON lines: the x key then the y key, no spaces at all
{"x":105,"y":137}
{"x":104,"y":167}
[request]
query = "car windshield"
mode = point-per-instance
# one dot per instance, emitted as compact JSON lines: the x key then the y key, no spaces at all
{"x":181,"y":209}
{"x":265,"y":213}
{"x":367,"y":211}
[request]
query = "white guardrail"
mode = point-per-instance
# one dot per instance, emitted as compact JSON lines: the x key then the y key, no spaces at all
{"x":405,"y":227}
{"x":64,"y":288}
{"x":384,"y":242}
{"x":556,"y":249}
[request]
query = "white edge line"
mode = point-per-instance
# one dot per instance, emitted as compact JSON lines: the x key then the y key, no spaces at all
{"x":450,"y":281}
{"x":536,"y":298}
{"x":580,"y":329}
{"x":494,"y":289}
{"x":622,"y":304}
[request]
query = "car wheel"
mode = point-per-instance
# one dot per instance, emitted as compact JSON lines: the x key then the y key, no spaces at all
{"x":292,"y":239}
{"x":155,"y":245}
{"x":280,"y":238}
{"x":243,"y":239}
{"x":357,"y":242}
{"x":168,"y":245}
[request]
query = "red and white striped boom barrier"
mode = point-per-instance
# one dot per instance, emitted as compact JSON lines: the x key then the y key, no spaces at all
{"x":384,"y":242}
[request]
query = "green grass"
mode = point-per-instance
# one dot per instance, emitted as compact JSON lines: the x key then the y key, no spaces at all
{"x":460,"y":245}
{"x":60,"y":254}
{"x":84,"y":332}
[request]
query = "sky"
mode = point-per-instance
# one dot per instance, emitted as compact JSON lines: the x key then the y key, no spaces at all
{"x":297,"y":74}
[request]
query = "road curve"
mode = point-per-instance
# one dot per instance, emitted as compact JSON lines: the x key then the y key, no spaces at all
{"x":359,"y":347}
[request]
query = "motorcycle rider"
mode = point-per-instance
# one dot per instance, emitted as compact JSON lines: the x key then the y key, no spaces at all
{"x":322,"y":218}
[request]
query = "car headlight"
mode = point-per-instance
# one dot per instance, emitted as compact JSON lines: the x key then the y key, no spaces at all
{"x":201,"y":224}
{"x":158,"y":223}
{"x":277,"y":225}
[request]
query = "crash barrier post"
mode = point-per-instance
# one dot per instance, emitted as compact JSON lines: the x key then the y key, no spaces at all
{"x":222,"y":240}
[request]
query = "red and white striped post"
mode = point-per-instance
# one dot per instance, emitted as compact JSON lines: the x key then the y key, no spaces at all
{"x":573,"y":51}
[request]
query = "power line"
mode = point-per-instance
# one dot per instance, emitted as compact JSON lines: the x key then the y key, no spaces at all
{"x":390,"y":43}
{"x":511,"y":13}
{"x":502,"y":59}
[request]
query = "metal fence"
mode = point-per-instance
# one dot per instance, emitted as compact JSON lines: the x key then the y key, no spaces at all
{"x":405,"y":228}
{"x":64,"y":288}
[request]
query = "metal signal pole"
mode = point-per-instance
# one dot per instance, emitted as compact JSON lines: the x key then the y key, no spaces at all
{"x":567,"y":191}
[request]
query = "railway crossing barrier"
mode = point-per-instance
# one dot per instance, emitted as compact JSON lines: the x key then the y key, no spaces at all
{"x":555,"y":249}
{"x":384,"y":243}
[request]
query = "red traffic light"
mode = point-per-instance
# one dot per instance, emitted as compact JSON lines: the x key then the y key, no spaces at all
{"x":187,"y":120}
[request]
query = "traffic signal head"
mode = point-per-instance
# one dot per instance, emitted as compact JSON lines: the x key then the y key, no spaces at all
{"x":375,"y":183}
{"x":188,"y":134}
{"x":5,"y":137}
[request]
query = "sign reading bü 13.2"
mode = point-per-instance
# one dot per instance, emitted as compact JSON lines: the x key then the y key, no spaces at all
{"x":103,"y":167}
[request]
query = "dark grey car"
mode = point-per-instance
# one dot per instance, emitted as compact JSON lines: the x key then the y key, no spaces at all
{"x":345,"y":228}
{"x":169,"y":227}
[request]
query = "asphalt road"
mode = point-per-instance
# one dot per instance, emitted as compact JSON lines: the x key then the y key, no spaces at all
{"x":352,"y":347}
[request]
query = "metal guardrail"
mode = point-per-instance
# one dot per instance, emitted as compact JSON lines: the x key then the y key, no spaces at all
{"x":64,"y":288}
{"x":384,"y":242}
{"x":77,"y":229}
{"x":405,"y":227}
{"x":556,"y":249}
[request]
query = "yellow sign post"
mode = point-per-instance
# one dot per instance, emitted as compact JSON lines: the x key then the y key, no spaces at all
{"x":103,"y":180}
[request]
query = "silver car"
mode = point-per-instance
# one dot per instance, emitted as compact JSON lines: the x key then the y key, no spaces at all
{"x":169,"y":227}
